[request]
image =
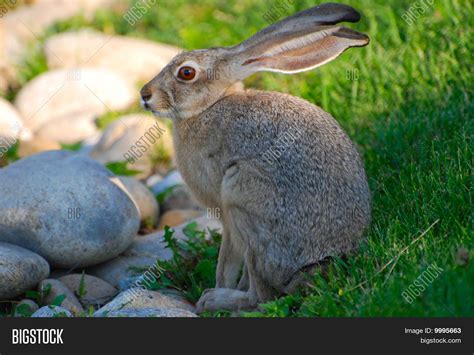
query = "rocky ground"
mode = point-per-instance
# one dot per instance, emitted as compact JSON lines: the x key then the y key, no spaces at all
{"x":81,"y":232}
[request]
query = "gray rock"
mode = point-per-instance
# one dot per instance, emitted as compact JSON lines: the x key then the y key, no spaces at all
{"x":146,"y":202}
{"x":71,"y":49}
{"x":151,"y":312}
{"x":203,"y":224}
{"x":51,"y":312}
{"x":136,"y":138}
{"x":88,"y":144}
{"x":97,"y":291}
{"x":20,"y":269}
{"x":151,"y":246}
{"x":175,"y":218}
{"x":121,"y":268}
{"x":57,"y":288}
{"x":67,"y":208}
{"x":154,"y":180}
{"x":125,"y":284}
{"x":160,"y":185}
{"x":139,"y":298}
{"x":144,"y":252}
{"x":179,"y":199}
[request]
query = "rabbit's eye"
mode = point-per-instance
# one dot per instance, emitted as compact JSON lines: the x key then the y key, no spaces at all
{"x":186,"y":73}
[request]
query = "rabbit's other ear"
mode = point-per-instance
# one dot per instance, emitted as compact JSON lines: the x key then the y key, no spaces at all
{"x":300,"y":42}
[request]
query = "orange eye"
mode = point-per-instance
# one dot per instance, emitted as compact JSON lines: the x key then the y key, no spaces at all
{"x":186,"y":73}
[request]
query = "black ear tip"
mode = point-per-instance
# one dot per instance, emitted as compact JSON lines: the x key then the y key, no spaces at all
{"x":352,"y":15}
{"x":361,"y":38}
{"x":347,"y":13}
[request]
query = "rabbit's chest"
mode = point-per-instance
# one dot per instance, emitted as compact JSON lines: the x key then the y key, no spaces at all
{"x":199,"y":162}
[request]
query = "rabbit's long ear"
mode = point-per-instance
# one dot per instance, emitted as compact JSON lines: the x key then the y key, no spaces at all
{"x":300,"y":42}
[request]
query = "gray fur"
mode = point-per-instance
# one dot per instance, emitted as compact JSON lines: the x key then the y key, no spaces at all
{"x":282,"y":211}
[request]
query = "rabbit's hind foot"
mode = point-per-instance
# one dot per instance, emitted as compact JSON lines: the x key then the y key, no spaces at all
{"x":215,"y":299}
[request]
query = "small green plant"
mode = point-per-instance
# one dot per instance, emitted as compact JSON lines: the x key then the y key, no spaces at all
{"x":121,"y":168}
{"x":58,"y":300}
{"x":82,"y":292}
{"x":39,"y":296}
{"x":10,"y":156}
{"x":72,"y":147}
{"x":23,"y":310}
{"x":193,"y":266}
{"x":162,"y":196}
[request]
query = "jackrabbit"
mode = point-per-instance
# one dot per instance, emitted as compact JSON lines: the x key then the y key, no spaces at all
{"x":289,"y":183}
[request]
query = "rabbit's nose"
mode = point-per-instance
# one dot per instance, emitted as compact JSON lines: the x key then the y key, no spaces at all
{"x":146,"y":94}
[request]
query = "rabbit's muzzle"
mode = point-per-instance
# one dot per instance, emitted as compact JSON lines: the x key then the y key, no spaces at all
{"x":145,"y":97}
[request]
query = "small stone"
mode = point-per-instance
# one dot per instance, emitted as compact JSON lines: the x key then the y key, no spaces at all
{"x":97,"y":291}
{"x":88,"y":144}
{"x":52,"y":312}
{"x":36,"y":145}
{"x":56,"y":289}
{"x":144,"y":252}
{"x":121,"y":268}
{"x":20,"y":270}
{"x":139,"y":298}
{"x":130,"y":282}
{"x":202,"y":224}
{"x":153,"y":180}
{"x":151,"y":246}
{"x":176,"y":217}
{"x":151,"y":312}
{"x":143,"y":198}
{"x":179,"y":198}
{"x":159,"y":186}
{"x":25,"y":308}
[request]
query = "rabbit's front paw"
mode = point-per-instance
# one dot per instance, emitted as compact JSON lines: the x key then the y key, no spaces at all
{"x":215,"y":299}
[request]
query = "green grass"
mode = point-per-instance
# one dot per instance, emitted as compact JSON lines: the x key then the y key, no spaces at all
{"x":409,"y":111}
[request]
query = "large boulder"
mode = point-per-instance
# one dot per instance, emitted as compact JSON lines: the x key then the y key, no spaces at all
{"x":138,"y":60}
{"x":63,"y":104}
{"x":20,"y":270}
{"x":66,"y":207}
